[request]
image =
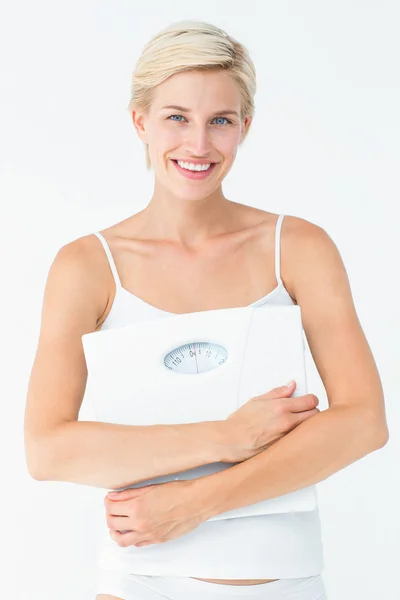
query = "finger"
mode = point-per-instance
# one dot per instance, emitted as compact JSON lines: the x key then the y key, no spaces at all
{"x":278,"y":392}
{"x":306,"y":414}
{"x":122,"y":495}
{"x":117,"y":509}
{"x":300,"y":403}
{"x":282,"y":390}
{"x":129,"y":538}
{"x":129,"y":493}
{"x":118,"y":523}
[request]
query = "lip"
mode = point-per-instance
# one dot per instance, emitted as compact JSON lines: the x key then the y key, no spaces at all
{"x":194,"y":162}
{"x":195,"y":174}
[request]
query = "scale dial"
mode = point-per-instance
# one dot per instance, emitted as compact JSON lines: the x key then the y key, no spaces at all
{"x":196,"y":357}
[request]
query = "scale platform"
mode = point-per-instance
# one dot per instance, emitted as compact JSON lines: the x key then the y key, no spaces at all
{"x":199,"y":366}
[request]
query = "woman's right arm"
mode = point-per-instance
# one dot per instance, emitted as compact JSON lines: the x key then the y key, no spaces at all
{"x":59,"y":447}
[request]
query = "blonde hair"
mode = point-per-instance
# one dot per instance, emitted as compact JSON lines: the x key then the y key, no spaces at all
{"x":191,"y":45}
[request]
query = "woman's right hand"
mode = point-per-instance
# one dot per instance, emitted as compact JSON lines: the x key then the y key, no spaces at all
{"x":266,"y":418}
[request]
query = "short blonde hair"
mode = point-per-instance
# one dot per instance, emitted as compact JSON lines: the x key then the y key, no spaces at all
{"x":191,"y":45}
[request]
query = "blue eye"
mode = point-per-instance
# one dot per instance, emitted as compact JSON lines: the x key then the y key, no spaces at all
{"x":170,"y":117}
{"x":224,"y":118}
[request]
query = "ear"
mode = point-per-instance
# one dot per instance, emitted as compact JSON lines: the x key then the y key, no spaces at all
{"x":245,"y":126}
{"x":138,"y":120}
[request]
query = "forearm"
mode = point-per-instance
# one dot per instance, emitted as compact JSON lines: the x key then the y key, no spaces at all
{"x":111,"y":456}
{"x":320,"y":446}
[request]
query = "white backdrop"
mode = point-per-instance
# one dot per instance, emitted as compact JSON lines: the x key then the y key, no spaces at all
{"x":324,"y":146}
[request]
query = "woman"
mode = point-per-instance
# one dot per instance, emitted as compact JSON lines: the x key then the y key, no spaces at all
{"x":192,"y":249}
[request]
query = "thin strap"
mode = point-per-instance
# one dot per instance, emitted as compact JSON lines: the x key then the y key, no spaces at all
{"x":278,"y":248}
{"x":110,"y":258}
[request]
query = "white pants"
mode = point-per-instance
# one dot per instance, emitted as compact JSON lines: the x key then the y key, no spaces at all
{"x":150,"y":587}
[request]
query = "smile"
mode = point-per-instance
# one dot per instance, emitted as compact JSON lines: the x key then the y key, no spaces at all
{"x":195,"y":174}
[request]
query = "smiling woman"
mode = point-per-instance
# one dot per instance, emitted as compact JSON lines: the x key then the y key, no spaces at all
{"x":202,"y":135}
{"x":173,"y":61}
{"x":190,"y":250}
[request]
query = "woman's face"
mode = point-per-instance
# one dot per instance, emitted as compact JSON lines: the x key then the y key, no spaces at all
{"x":201,"y":131}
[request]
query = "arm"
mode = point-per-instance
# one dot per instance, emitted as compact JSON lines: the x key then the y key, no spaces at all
{"x":112,"y":456}
{"x":317,"y":448}
{"x":355,"y":422}
{"x":57,"y":445}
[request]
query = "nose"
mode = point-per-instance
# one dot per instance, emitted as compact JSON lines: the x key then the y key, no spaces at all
{"x":198,"y":141}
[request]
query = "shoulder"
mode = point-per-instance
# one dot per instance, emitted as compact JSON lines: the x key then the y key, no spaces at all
{"x":294,"y":230}
{"x":297,"y":230}
{"x":78,"y":270}
{"x":78,"y":257}
{"x":306,"y":249}
{"x":307,"y":253}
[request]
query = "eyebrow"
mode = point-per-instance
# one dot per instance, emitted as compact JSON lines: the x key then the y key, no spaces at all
{"x":219,"y":112}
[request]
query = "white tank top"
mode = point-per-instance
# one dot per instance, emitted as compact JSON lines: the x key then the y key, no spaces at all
{"x":275,"y":546}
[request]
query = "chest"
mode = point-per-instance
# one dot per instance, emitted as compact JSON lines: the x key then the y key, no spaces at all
{"x":183,"y":282}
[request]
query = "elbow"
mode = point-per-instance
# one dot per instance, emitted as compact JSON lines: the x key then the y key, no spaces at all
{"x":36,"y":469}
{"x":381,"y":438}
{"x":378,"y":431}
{"x":36,"y":461}
{"x":37,"y":475}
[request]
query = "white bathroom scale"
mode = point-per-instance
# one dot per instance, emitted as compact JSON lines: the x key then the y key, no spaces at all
{"x":200,"y":366}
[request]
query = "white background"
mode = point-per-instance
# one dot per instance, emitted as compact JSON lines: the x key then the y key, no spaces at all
{"x":324,"y":146}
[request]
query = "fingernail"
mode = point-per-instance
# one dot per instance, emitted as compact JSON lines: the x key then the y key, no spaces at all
{"x":290,"y":383}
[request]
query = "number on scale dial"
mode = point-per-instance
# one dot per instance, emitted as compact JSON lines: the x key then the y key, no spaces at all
{"x":196,"y":357}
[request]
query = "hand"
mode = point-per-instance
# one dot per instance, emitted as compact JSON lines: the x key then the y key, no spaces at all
{"x":264,"y":419}
{"x":153,"y":514}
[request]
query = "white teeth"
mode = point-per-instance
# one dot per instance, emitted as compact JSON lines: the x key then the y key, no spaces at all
{"x":193,"y":167}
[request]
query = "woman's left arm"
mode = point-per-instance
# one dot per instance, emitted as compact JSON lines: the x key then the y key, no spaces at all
{"x":355,"y":422}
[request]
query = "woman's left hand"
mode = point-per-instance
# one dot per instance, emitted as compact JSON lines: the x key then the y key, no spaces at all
{"x":153,"y":514}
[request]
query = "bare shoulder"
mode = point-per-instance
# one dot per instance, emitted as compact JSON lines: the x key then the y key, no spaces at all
{"x":316,"y":272}
{"x":313,"y":271}
{"x":306,"y":250}
{"x":297,"y":230}
{"x":78,"y":267}
{"x":299,"y":241}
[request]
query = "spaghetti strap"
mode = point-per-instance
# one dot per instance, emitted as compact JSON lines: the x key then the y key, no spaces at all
{"x":110,"y":259}
{"x":278,"y":248}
